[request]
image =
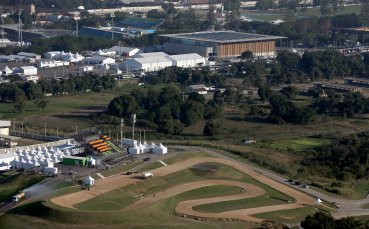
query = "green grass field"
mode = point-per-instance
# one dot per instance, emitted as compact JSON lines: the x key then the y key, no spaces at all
{"x":290,"y":216}
{"x":259,"y":201}
{"x":124,"y":196}
{"x":16,"y":182}
{"x":297,"y":145}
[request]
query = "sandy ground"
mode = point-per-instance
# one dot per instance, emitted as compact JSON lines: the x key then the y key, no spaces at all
{"x":186,"y":207}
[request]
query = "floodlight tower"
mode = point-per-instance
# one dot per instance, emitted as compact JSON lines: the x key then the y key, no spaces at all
{"x":20,"y":32}
{"x":2,"y":31}
{"x":121,"y":132}
{"x":133,"y":128}
{"x":76,"y":19}
{"x":112,"y":15}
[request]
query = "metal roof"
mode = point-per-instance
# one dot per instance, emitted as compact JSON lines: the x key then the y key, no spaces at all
{"x":222,"y":36}
{"x":12,"y":138}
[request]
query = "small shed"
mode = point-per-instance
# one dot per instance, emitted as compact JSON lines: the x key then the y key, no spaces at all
{"x":73,"y":160}
{"x":88,"y":181}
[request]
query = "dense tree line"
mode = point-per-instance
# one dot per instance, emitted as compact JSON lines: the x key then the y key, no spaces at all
{"x":347,"y":105}
{"x":14,"y":92}
{"x":312,"y":31}
{"x":69,"y":43}
{"x":187,"y":76}
{"x":290,"y":67}
{"x":322,"y":220}
{"x":166,"y":109}
{"x":346,"y":158}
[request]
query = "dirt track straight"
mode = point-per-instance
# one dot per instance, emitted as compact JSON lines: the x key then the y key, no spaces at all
{"x":114,"y":182}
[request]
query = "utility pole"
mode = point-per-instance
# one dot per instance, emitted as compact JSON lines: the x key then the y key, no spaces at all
{"x":22,"y":127}
{"x":121,"y":131}
{"x":45,"y":128}
{"x":112,"y":15}
{"x":2,"y":31}
{"x":20,"y":35}
{"x":133,"y":127}
{"x":76,"y":19}
{"x":76,"y":129}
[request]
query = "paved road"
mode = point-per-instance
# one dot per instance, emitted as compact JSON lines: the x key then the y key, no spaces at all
{"x":345,"y":207}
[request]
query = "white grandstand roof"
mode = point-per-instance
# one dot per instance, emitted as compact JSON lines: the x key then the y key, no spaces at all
{"x":153,"y":59}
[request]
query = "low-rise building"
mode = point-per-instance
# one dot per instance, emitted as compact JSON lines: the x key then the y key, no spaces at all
{"x":28,"y":70}
{"x":100,"y":60}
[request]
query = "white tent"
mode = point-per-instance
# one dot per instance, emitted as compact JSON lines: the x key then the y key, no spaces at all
{"x":88,"y":181}
{"x":134,"y":150}
{"x":160,"y":149}
{"x":7,"y":71}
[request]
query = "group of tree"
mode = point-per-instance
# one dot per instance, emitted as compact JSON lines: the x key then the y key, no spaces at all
{"x":290,"y":67}
{"x":186,"y":76}
{"x":345,"y":159}
{"x":347,"y":105}
{"x":167,"y":110}
{"x":322,"y":220}
{"x":20,"y":91}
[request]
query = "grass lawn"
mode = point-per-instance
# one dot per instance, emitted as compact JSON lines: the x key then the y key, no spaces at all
{"x":346,"y":10}
{"x":297,"y":145}
{"x":259,"y":201}
{"x":111,"y":201}
{"x":294,"y":216}
{"x":184,"y":156}
{"x":17,"y":182}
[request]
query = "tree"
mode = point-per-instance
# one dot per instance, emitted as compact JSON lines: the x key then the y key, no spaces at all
{"x":41,"y":103}
{"x":318,"y":221}
{"x":191,"y":112}
{"x":248,"y":55}
{"x":194,"y":96}
{"x":289,"y":91}
{"x":123,"y":106}
{"x":212,"y":128}
{"x":264,"y":92}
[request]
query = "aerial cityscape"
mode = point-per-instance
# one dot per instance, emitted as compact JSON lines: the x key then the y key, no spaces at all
{"x":250,"y":114}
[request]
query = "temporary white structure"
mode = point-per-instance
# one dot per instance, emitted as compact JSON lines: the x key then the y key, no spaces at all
{"x":134,"y":150}
{"x":88,"y":181}
{"x":160,"y":149}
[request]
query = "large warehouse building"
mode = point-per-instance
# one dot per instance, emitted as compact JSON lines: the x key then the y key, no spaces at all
{"x":221,"y":43}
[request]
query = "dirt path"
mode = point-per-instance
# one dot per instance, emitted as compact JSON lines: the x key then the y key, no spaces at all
{"x":110,"y":183}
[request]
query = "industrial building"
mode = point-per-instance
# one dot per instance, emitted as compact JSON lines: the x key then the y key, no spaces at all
{"x":155,"y":61}
{"x":221,"y":44}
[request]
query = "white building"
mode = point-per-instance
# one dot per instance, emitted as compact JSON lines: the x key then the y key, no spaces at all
{"x":188,"y":60}
{"x":151,"y":54}
{"x":51,"y":55}
{"x":31,"y":78}
{"x":30,"y":55}
{"x":124,"y":51}
{"x":51,"y":63}
{"x":86,"y":68}
{"x":100,"y":60}
{"x":109,"y":53}
{"x":128,"y":142}
{"x":147,"y":64}
{"x":28,"y":70}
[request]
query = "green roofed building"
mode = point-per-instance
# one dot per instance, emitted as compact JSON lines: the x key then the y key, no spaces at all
{"x":73,"y":160}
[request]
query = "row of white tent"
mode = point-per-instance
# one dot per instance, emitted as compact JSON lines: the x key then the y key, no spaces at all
{"x":146,"y":148}
{"x":35,"y":156}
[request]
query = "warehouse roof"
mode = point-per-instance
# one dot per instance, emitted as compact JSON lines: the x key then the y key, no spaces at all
{"x":222,"y":36}
{"x":189,"y":56}
{"x":74,"y":157}
{"x":152,"y":59}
